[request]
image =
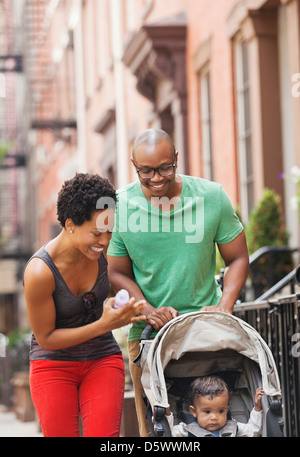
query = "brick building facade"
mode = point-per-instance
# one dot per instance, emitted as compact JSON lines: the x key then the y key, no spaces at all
{"x":219,"y":76}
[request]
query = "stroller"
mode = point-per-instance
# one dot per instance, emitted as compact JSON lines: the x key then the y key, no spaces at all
{"x":208,"y":343}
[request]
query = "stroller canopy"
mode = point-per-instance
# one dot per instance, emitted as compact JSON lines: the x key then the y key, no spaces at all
{"x":173,"y":352}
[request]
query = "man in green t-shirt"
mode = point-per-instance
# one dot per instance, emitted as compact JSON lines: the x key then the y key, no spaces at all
{"x":163,"y":247}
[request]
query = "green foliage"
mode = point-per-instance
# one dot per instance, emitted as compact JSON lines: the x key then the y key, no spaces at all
{"x":266,"y":225}
{"x":4,"y":147}
{"x":266,"y":228}
{"x":16,"y":337}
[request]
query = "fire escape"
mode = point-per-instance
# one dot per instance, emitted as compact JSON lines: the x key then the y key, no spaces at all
{"x":12,"y":165}
{"x":37,"y":87}
{"x":12,"y":155}
{"x":49,"y":69}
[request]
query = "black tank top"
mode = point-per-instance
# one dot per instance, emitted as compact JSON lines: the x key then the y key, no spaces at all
{"x":71,"y":313}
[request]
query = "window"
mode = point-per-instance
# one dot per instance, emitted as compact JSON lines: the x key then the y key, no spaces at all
{"x":205,"y":108}
{"x":244,"y":146}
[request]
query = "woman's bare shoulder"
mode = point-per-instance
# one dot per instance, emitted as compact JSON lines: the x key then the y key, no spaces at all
{"x":38,"y":270}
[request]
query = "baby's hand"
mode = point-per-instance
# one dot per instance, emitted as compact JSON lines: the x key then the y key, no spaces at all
{"x":257,"y":399}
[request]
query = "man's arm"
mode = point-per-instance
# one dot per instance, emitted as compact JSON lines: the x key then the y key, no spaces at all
{"x":121,"y":277}
{"x":236,"y":258}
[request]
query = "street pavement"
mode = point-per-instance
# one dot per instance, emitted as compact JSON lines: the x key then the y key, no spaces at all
{"x":11,"y":427}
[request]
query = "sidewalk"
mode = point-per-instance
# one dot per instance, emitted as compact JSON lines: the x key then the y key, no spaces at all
{"x":10,"y":426}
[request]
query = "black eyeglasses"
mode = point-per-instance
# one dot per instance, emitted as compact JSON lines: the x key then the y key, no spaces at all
{"x":89,"y":303}
{"x":148,"y":173}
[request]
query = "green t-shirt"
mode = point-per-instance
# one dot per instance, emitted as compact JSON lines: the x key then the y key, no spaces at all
{"x":173,"y":253}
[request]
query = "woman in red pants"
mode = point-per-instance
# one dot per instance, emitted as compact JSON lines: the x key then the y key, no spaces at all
{"x":76,"y":365}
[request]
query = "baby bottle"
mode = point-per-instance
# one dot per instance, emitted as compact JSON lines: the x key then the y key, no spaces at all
{"x":121,"y":299}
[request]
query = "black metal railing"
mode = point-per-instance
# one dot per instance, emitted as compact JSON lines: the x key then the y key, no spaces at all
{"x":268,"y":265}
{"x":277,"y":321}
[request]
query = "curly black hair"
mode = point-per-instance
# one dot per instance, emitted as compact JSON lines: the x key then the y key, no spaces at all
{"x":209,"y":386}
{"x":79,"y":196}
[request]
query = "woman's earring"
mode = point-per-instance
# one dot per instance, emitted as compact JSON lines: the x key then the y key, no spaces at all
{"x":71,"y":231}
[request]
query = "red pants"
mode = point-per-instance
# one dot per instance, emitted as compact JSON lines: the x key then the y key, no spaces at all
{"x":60,"y":390}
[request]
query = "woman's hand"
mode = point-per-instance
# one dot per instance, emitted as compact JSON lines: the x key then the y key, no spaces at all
{"x":128,"y":314}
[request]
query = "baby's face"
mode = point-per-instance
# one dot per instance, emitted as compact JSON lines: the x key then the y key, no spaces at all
{"x":211,"y":413}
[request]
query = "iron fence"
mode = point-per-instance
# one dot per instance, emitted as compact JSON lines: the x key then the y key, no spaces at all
{"x":277,"y":321}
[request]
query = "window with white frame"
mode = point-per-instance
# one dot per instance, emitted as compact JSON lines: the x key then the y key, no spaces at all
{"x":205,"y":109}
{"x":244,"y":147}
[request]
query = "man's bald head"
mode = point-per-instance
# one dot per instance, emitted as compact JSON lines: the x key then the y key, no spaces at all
{"x":150,"y":138}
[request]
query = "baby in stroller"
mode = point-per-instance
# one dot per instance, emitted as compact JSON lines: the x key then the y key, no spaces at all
{"x":209,"y":399}
{"x":201,"y":344}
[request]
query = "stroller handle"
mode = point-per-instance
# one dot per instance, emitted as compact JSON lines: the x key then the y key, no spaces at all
{"x":146,"y":333}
